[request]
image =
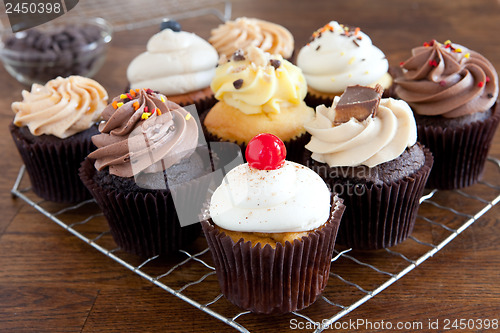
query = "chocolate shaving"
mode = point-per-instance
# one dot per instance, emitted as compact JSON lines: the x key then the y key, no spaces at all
{"x":318,"y":47}
{"x":275,"y":63}
{"x":356,"y":43}
{"x":359,"y":102}
{"x":238,"y":55}
{"x":238,"y":83}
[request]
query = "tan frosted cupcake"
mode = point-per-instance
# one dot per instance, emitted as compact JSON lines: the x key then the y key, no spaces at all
{"x":52,"y":130}
{"x":337,"y":57}
{"x":272,"y":230}
{"x":258,"y":93}
{"x":243,"y":32}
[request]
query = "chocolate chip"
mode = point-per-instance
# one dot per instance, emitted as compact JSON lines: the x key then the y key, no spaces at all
{"x":238,"y":55}
{"x":275,"y":63}
{"x":238,"y":83}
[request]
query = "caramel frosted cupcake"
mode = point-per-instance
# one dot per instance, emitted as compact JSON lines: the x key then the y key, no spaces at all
{"x":339,"y":56}
{"x":272,"y":230}
{"x":177,"y":64}
{"x":365,"y":149}
{"x":243,"y":32}
{"x":453,"y":92}
{"x":146,"y":157}
{"x":52,"y":130}
{"x":259,"y":93}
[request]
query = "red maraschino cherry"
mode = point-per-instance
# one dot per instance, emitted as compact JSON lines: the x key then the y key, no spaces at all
{"x":265,"y":152}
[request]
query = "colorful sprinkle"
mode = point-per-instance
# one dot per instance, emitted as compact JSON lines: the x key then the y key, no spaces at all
{"x":115,"y":104}
{"x":467,"y":55}
{"x":146,"y":109}
{"x":480,"y":84}
{"x":158,"y":112}
{"x":136,"y":105}
{"x":120,"y":104}
{"x":433,"y":63}
{"x":442,"y":83}
{"x":488,"y":79}
{"x":162,"y":98}
{"x":123,"y":96}
{"x":149,"y":91}
{"x":132,"y":92}
{"x":402,"y":63}
{"x":129,"y":96}
{"x":145,"y":115}
{"x":459,"y":50}
{"x":188,"y":116}
{"x":351,"y":60}
{"x":447,"y":42}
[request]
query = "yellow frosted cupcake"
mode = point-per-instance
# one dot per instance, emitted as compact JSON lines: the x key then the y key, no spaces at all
{"x":258,"y":92}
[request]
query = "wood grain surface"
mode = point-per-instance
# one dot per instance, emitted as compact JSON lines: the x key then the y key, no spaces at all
{"x":50,"y":281}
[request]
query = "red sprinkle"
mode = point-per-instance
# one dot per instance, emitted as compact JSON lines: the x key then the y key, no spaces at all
{"x":149,"y":91}
{"x":480,"y":84}
{"x":433,"y":63}
{"x":129,"y":96}
{"x":146,"y":109}
{"x":488,"y":79}
{"x":401,"y":63}
{"x":442,"y":83}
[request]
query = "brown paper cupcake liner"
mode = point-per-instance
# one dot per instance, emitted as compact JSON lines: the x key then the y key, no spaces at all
{"x":52,"y":165}
{"x":284,"y":279}
{"x":294,"y":147}
{"x":145,"y":224}
{"x":380,"y":216}
{"x":459,"y":153}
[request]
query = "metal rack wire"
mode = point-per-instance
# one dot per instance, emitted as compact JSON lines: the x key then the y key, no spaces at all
{"x":194,"y":266}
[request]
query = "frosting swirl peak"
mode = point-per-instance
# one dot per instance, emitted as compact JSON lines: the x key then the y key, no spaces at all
{"x":447,"y":80}
{"x":370,"y":142}
{"x":143,"y":132}
{"x":62,"y":107}
{"x":244,"y":32}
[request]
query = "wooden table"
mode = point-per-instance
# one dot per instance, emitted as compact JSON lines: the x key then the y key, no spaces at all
{"x":51,"y":281}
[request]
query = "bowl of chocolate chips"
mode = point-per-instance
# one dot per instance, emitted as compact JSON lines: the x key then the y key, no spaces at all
{"x":37,"y":55}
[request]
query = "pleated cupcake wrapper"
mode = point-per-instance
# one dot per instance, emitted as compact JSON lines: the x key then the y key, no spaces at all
{"x":294,"y":148}
{"x":53,"y":167}
{"x":144,"y":224}
{"x":281,"y":280}
{"x":380,"y":216}
{"x":459,"y":153}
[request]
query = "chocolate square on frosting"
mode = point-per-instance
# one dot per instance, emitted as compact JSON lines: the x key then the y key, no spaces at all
{"x":359,"y":102}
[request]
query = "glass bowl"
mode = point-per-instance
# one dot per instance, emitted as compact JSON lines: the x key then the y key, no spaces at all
{"x":37,"y":55}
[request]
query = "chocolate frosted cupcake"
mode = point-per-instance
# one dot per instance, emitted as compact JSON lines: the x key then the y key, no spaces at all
{"x":146,"y":163}
{"x":365,"y":149}
{"x":272,"y":230}
{"x":339,"y":56}
{"x":453,"y":92}
{"x":179,"y":65}
{"x":243,"y":32}
{"x":258,"y":93}
{"x":52,"y":130}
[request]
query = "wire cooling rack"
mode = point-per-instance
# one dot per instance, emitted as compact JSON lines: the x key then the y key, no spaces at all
{"x":345,"y":290}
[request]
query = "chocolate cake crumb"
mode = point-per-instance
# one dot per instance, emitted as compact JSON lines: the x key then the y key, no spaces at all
{"x":238,"y":83}
{"x":275,"y":63}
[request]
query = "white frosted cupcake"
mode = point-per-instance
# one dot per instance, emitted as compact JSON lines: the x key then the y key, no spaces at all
{"x":280,"y":215}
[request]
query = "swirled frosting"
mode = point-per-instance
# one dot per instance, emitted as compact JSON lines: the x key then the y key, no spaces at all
{"x":338,"y":57}
{"x":174,"y":63}
{"x":62,"y":107}
{"x":292,"y":198}
{"x":370,"y":142}
{"x":257,"y":82}
{"x":143,"y":132}
{"x":447,"y":80}
{"x":244,"y":32}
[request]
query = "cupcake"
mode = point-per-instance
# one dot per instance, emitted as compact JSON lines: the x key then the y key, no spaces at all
{"x":365,"y":148}
{"x":271,"y":231}
{"x":177,"y":64}
{"x":243,"y":32}
{"x":339,"y":56}
{"x":145,"y":164}
{"x":258,"y":93}
{"x":453,"y":92}
{"x":52,"y":130}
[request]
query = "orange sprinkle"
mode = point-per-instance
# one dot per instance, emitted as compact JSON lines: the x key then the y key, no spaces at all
{"x":356,"y":31}
{"x":132,"y":93}
{"x":115,"y":104}
{"x":158,"y":112}
{"x":136,"y":105}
